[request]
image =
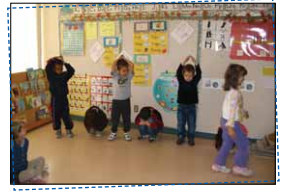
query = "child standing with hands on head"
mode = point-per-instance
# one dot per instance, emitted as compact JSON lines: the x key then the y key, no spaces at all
{"x":233,"y":114}
{"x":122,"y":73}
{"x":188,"y":78}
{"x":58,"y":81}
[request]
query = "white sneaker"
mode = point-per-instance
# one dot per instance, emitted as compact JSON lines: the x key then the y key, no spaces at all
{"x":243,"y":171}
{"x":98,"y":134}
{"x":220,"y":168}
{"x":127,"y":136}
{"x":112,"y":137}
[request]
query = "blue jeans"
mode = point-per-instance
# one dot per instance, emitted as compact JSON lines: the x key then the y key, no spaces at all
{"x":186,"y":114}
{"x":145,"y":130}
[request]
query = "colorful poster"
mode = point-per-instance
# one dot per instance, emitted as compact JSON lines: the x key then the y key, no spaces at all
{"x":109,"y":56}
{"x":165,"y":91}
{"x":252,"y":41}
{"x":91,"y":30}
{"x":158,"y":42}
{"x":141,"y":43}
{"x":79,"y":94}
{"x":143,"y":75}
{"x":107,"y":28}
{"x":102,"y":93}
{"x":73,"y":39}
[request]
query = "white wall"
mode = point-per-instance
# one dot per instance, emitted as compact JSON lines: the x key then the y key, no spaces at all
{"x":259,"y":103}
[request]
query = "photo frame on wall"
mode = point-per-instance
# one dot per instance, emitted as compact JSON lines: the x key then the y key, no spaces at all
{"x":110,"y":41}
{"x":141,"y":27}
{"x":142,"y":59}
{"x":158,"y":25}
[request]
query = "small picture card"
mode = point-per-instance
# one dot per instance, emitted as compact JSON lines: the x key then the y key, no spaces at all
{"x":142,"y":59}
{"x":249,"y":86}
{"x":110,"y":41}
{"x":158,"y":25}
{"x":141,"y":27}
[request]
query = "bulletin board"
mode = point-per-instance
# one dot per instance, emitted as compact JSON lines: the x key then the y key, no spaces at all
{"x":186,"y":27}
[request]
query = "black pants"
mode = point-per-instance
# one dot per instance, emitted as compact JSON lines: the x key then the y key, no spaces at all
{"x":60,"y":110}
{"x":121,"y":108}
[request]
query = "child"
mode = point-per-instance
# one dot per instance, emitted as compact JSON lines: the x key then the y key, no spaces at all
{"x":188,"y":78}
{"x":232,"y":114}
{"x":150,"y":122}
{"x":22,"y":170}
{"x":59,"y":90}
{"x":122,"y":73}
{"x":95,"y":121}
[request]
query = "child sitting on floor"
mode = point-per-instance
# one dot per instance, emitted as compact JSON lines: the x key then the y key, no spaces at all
{"x":95,"y":121}
{"x":22,"y":170}
{"x":150,"y":122}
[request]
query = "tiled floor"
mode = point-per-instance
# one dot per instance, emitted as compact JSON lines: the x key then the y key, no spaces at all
{"x":86,"y":159}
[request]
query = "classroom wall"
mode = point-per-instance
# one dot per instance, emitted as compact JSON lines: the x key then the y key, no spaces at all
{"x":260,"y":103}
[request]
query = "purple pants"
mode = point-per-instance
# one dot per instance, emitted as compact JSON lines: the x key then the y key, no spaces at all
{"x":242,"y":144}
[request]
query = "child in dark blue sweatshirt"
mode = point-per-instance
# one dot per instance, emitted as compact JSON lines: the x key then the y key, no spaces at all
{"x":188,"y":78}
{"x":58,"y":80}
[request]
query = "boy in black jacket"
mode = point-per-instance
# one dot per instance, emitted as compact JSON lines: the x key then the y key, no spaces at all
{"x":59,"y":90}
{"x":188,"y":78}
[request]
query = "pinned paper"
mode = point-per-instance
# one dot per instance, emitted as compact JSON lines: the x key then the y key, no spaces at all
{"x":109,"y":56}
{"x":182,"y":32}
{"x":143,"y":75}
{"x":96,"y":51}
{"x":91,"y":30}
{"x":268,"y":71}
{"x":107,"y":28}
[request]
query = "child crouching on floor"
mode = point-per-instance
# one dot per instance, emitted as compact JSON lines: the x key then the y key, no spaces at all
{"x":22,"y":170}
{"x":150,"y":122}
{"x":95,"y":121}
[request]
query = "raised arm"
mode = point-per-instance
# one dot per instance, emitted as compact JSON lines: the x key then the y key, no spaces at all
{"x":198,"y":75}
{"x":50,"y":71}
{"x":179,"y":74}
{"x":70,"y":71}
{"x":114,"y":66}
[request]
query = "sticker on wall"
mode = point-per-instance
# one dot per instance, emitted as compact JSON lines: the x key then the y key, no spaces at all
{"x":165,"y":91}
{"x":216,"y":84}
{"x":249,"y":86}
{"x":207,"y":83}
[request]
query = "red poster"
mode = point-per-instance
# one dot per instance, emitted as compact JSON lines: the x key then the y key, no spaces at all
{"x":252,"y":41}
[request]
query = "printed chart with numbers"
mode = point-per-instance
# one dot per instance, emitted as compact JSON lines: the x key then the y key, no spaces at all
{"x":73,"y":39}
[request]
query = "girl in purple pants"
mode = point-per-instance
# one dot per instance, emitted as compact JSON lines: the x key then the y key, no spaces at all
{"x":232,"y":114}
